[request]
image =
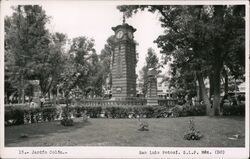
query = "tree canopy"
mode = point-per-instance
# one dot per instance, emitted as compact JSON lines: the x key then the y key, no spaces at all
{"x":32,"y":52}
{"x":152,"y":62}
{"x":200,"y":40}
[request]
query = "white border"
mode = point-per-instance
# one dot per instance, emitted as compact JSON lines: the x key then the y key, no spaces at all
{"x":123,"y":152}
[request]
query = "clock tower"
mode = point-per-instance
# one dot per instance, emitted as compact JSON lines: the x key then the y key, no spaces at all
{"x":124,"y":63}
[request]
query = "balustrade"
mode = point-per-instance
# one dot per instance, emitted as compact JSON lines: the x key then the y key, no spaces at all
{"x":112,"y":102}
{"x":167,"y":102}
{"x":137,"y":102}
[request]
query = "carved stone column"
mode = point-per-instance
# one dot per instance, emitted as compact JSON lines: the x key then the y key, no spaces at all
{"x":152,"y":98}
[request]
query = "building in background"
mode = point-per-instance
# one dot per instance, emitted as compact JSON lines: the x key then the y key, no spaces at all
{"x":163,"y":90}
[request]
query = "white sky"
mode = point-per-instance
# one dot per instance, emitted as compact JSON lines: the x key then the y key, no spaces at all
{"x":95,"y":21}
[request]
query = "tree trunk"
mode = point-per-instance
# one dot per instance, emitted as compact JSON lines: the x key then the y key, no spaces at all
{"x":199,"y":92}
{"x":204,"y":93}
{"x":211,"y":85}
{"x":49,"y":94}
{"x":216,"y":94}
{"x":57,"y":93}
{"x":219,"y":56}
{"x":216,"y":83}
{"x":226,"y":82}
{"x":21,"y":93}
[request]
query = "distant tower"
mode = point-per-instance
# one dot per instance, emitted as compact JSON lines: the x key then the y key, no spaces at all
{"x":124,"y":62}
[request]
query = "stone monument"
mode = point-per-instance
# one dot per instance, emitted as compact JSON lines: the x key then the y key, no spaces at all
{"x":124,"y":63}
{"x":152,"y":88}
{"x":36,"y":92}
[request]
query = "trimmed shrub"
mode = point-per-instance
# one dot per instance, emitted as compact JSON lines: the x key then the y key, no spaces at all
{"x":16,"y":115}
{"x":67,"y":111}
{"x":67,"y":122}
{"x":93,"y":112}
{"x":20,"y":115}
{"x":66,"y":115}
{"x":7,"y":117}
{"x":110,"y":112}
{"x":188,"y":110}
{"x":176,"y":111}
{"x":196,"y":110}
{"x":117,"y":112}
{"x":238,"y":110}
{"x":149,"y":112}
{"x":78,"y":111}
{"x":160,"y":112}
{"x":33,"y":115}
{"x":48,"y":113}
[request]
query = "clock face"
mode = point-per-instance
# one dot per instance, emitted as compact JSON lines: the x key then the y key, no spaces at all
{"x":119,"y":34}
{"x":130,"y":35}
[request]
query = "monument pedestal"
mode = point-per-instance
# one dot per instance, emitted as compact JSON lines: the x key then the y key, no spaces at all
{"x":152,"y":99}
{"x":36,"y":92}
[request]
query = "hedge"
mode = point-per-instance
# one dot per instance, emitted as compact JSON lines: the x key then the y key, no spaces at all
{"x":20,"y":115}
{"x":17,"y":116}
{"x":187,"y":110}
{"x":200,"y":109}
{"x":14,"y":116}
{"x":114,"y":112}
{"x":145,"y":111}
{"x":238,"y":110}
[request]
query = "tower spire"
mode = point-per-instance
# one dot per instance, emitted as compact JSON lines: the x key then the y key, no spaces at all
{"x":124,"y":18}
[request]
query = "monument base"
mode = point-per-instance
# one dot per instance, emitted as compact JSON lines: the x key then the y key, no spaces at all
{"x":152,"y":102}
{"x":123,"y":98}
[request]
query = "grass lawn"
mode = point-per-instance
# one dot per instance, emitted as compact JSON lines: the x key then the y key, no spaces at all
{"x":166,"y":132}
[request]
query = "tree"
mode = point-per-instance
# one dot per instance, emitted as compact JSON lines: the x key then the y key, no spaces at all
{"x":183,"y":81}
{"x":77,"y":67}
{"x":28,"y":40}
{"x":144,"y":79}
{"x":10,"y":83}
{"x":152,"y":62}
{"x":35,"y":53}
{"x":58,"y":59}
{"x":203,"y":37}
{"x":95,"y":78}
{"x":228,"y":41}
{"x":106,"y":58}
{"x":187,"y":43}
{"x":180,"y":42}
